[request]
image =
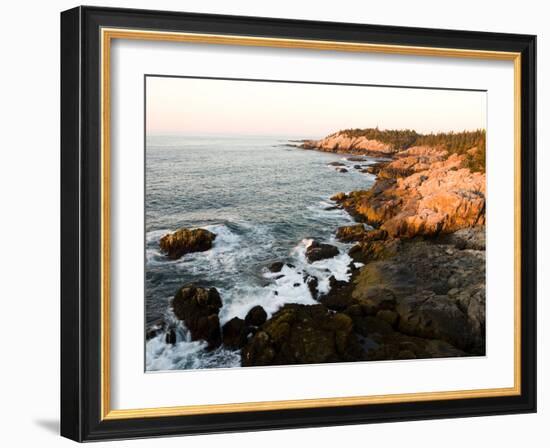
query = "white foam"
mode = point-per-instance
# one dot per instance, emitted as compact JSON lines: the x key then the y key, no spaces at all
{"x":286,"y":286}
{"x":323,"y":269}
{"x":222,"y":254}
{"x":185,"y":353}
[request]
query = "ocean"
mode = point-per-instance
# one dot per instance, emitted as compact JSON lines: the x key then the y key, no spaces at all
{"x":265,"y":201}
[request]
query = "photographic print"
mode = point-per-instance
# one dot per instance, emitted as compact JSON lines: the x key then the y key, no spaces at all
{"x":304,"y":223}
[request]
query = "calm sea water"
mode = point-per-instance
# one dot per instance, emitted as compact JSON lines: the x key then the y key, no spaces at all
{"x":264,"y":200}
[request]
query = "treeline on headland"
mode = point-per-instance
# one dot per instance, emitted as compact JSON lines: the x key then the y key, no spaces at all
{"x":401,"y":139}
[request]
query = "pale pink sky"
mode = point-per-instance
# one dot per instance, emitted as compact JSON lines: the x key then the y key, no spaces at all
{"x":203,"y":106}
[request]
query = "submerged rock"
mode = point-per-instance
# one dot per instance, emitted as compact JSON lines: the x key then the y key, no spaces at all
{"x":303,"y":334}
{"x":198,"y":308}
{"x":276,"y":267}
{"x":184,"y":241}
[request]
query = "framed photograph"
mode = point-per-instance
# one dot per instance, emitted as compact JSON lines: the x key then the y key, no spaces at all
{"x":273,"y":223}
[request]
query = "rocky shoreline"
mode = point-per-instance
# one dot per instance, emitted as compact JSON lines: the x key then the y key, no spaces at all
{"x":417,"y":280}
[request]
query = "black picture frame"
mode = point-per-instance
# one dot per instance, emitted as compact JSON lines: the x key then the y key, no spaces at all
{"x":81,"y":224}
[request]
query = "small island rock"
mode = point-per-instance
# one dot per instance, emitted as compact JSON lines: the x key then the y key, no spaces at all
{"x":184,"y":241}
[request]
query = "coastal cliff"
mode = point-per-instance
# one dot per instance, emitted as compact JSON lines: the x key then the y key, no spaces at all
{"x":424,"y":191}
{"x":345,"y":143}
{"x":387,"y":143}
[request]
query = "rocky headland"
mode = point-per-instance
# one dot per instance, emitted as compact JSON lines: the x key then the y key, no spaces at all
{"x":343,"y":142}
{"x":417,"y":281}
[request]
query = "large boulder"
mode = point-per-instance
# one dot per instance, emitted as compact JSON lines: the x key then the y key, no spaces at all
{"x":319,"y":251}
{"x":312,"y":283}
{"x":303,"y":334}
{"x":256,"y":316}
{"x":234,"y":333}
{"x":198,"y":308}
{"x":184,"y":241}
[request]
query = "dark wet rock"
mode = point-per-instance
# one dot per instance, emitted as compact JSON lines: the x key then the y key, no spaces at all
{"x":395,"y":345}
{"x":302,"y":334}
{"x":339,"y":296}
{"x":184,"y":241}
{"x":313,"y":285}
{"x":370,"y":325}
{"x":276,"y":267}
{"x":357,"y":167}
{"x":170,"y":337}
{"x":336,"y":164}
{"x":319,"y":251}
{"x":389,"y":316}
{"x":296,"y":285}
{"x":256,"y":316}
{"x":234,"y":333}
{"x":198,"y":308}
{"x":342,"y":170}
{"x":382,"y":342}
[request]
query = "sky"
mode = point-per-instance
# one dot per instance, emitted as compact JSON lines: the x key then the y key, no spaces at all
{"x":225,"y":107}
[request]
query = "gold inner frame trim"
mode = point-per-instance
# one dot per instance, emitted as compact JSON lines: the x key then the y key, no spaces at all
{"x":107,"y":35}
